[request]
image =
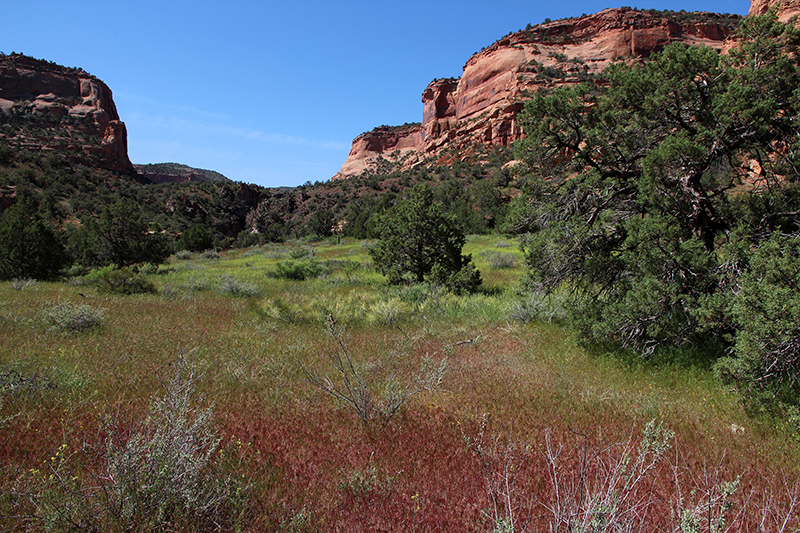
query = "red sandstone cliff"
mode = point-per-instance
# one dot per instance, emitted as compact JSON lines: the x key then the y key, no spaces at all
{"x":786,"y":8}
{"x":385,"y":143}
{"x":481,"y":106}
{"x":72,"y":111}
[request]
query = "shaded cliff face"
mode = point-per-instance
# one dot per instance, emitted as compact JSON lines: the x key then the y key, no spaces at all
{"x":481,"y":106}
{"x":786,"y":8}
{"x":48,"y":108}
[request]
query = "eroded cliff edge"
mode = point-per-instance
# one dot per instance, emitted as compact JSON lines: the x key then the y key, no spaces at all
{"x":480,"y":107}
{"x":47,"y":108}
{"x":786,"y":9}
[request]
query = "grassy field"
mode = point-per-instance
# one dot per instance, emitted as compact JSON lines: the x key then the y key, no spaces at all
{"x":526,"y":431}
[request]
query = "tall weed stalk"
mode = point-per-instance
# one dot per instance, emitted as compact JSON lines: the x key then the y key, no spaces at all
{"x":501,"y":460}
{"x":350,"y":383}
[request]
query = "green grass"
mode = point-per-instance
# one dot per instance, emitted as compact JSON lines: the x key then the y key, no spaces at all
{"x":305,"y":458}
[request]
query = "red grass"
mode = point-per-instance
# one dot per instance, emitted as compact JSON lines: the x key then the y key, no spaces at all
{"x":427,"y":479}
{"x":305,"y":456}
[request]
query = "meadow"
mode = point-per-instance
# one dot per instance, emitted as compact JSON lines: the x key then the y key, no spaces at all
{"x":339,"y":403}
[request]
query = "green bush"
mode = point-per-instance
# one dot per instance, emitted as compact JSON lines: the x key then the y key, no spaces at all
{"x":161,"y":476}
{"x":253,"y":252}
{"x":164,"y":475}
{"x":499,"y":260}
{"x":304,"y":252}
{"x":147,"y":268}
{"x":464,"y":280}
{"x":297,"y":270}
{"x":20,"y":284}
{"x":120,"y":281}
{"x":235,"y":287}
{"x":764,"y":309}
{"x":539,"y":306}
{"x":195,"y":239}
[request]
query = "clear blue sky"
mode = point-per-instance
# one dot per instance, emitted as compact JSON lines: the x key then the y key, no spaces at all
{"x":272,"y":92}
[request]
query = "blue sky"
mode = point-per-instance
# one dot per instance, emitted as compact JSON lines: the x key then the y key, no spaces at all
{"x":272,"y":92}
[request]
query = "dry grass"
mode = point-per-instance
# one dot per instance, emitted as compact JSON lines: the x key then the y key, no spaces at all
{"x":309,"y":461}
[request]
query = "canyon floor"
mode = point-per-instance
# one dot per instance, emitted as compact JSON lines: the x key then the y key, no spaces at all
{"x":525,"y":430}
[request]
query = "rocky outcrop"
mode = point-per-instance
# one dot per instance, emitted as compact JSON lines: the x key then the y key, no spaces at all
{"x":481,"y":106}
{"x":440,"y":112}
{"x":382,"y":149}
{"x":786,"y":8}
{"x":48,"y":108}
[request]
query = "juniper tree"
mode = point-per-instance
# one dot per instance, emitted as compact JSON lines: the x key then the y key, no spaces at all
{"x":632,"y":180}
{"x":122,"y":236}
{"x":419,"y":242}
{"x":29,"y":248}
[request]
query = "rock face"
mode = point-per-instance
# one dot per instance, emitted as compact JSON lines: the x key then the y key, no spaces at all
{"x":786,"y":8}
{"x":71,"y":111}
{"x":481,"y":106}
{"x":384,"y":144}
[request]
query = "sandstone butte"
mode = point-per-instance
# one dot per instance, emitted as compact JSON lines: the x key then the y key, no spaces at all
{"x":74,"y":113}
{"x":481,"y":106}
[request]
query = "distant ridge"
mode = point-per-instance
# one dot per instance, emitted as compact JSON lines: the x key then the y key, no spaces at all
{"x":177,"y":173}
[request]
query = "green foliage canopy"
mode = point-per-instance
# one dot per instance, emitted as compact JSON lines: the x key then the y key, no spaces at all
{"x":196,"y":238}
{"x":761,"y":305}
{"x":630,"y":203}
{"x":29,"y":248}
{"x":419,"y":241}
{"x":123,"y":237}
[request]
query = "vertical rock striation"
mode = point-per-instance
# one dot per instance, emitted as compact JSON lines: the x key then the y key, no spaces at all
{"x":71,"y":112}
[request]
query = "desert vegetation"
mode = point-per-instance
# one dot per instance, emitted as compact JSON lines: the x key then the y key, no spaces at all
{"x":340,"y":402}
{"x":613,"y":349}
{"x":644,"y":208}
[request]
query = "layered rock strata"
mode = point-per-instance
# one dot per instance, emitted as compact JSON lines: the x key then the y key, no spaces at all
{"x":48,"y":108}
{"x":383,"y":146}
{"x":481,"y":106}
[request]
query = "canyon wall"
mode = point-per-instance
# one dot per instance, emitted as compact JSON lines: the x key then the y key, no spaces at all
{"x":480,"y":107}
{"x":786,"y":8}
{"x":47,"y":108}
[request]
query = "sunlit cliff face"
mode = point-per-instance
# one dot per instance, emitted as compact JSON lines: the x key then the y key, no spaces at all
{"x":786,"y":8}
{"x":480,"y":107}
